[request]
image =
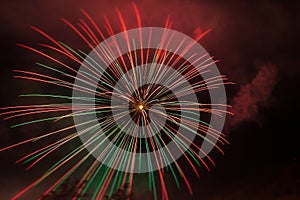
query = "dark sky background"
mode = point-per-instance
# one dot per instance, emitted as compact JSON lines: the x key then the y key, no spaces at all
{"x":258,"y":48}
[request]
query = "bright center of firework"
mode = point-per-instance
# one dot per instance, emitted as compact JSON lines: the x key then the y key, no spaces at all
{"x":141,"y":107}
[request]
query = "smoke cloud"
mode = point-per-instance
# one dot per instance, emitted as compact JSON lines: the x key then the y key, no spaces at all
{"x":254,"y":95}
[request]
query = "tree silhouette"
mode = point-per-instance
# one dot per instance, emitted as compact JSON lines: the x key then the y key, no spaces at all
{"x":66,"y":191}
{"x":121,"y":194}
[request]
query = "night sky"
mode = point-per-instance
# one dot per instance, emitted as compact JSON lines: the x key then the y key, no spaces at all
{"x":258,"y":48}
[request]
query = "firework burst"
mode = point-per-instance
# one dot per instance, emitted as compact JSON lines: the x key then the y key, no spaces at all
{"x":137,"y":100}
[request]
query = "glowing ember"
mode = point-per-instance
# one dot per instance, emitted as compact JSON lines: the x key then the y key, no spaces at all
{"x":141,"y":107}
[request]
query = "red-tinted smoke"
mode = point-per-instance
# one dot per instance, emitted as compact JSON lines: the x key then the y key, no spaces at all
{"x":254,"y":94}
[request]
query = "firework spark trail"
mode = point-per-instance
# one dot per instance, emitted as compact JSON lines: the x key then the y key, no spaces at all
{"x":123,"y":68}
